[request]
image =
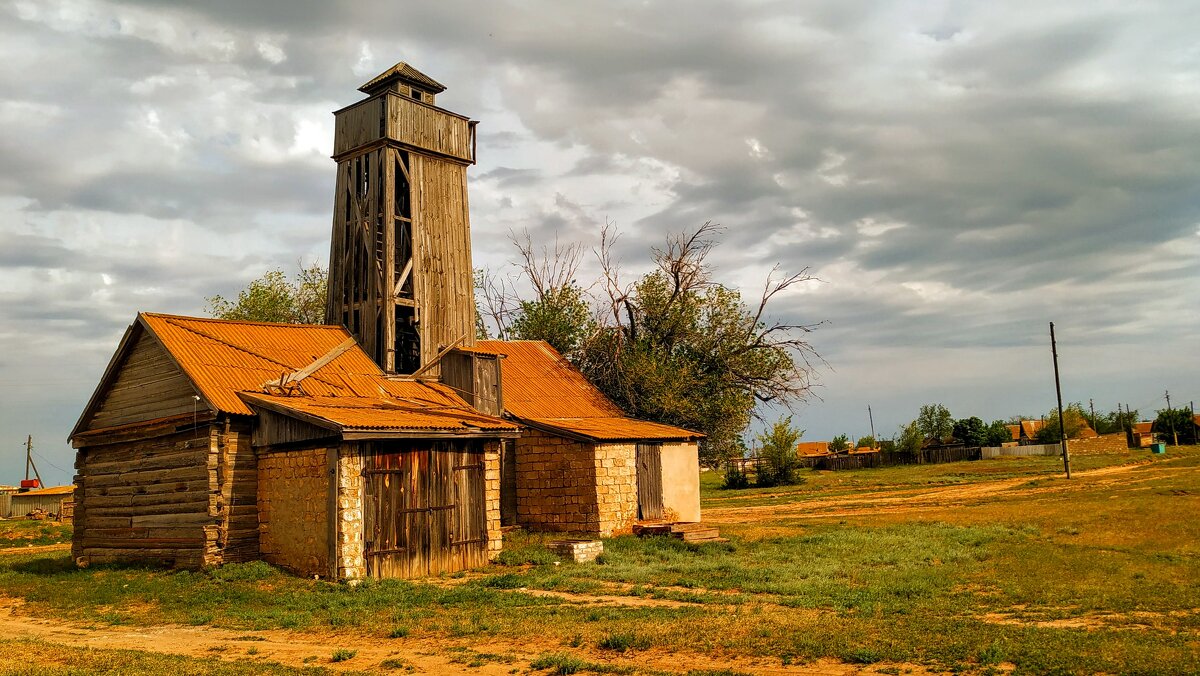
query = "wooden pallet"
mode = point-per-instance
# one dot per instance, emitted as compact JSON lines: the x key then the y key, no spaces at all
{"x":699,"y":533}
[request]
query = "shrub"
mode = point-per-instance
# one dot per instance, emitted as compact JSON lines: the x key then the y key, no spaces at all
{"x":778,"y":453}
{"x":343,"y":654}
{"x":735,"y":478}
{"x":622,"y":641}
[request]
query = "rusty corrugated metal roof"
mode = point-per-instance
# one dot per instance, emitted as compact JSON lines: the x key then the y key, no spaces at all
{"x":53,"y":490}
{"x":224,"y":357}
{"x":539,"y":383}
{"x":542,"y":387}
{"x":228,"y":361}
{"x":375,"y":413}
{"x":614,"y":429}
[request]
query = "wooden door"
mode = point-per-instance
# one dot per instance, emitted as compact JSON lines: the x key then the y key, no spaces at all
{"x":424,"y":511}
{"x":508,"y":483}
{"x":649,"y":482}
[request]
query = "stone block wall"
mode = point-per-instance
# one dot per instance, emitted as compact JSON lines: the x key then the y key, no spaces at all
{"x":491,"y":489}
{"x":556,"y":483}
{"x":351,"y":564}
{"x":616,"y":487}
{"x":1105,"y":443}
{"x":293,"y":510}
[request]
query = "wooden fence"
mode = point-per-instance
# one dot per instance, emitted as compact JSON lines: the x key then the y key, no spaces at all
{"x":1021,"y":451}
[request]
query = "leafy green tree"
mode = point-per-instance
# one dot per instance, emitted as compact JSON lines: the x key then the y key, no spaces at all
{"x":866,"y":442}
{"x":910,"y":438}
{"x":1116,"y":421}
{"x":840,"y":443}
{"x":935,"y":422}
{"x":997,"y":434}
{"x":970,"y":431}
{"x":777,"y":452}
{"x":1175,"y":423}
{"x":561,"y":317}
{"x":1074,"y":422}
{"x":275,"y":298}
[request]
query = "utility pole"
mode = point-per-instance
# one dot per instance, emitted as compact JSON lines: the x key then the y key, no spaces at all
{"x":1171,"y":418}
{"x":1062,"y":430}
{"x":871,"y":417}
{"x":29,"y":461}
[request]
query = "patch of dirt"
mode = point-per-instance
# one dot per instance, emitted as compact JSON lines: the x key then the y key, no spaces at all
{"x":925,"y":498}
{"x":1138,"y":620}
{"x":35,"y":549}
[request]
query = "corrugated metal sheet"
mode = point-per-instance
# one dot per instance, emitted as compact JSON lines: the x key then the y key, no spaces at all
{"x":230,"y":360}
{"x":226,"y":357}
{"x":542,"y":387}
{"x":539,"y":383}
{"x":614,"y":429}
{"x":367,"y":413}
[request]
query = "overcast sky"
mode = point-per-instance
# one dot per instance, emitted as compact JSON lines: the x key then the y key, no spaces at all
{"x":957,"y":174}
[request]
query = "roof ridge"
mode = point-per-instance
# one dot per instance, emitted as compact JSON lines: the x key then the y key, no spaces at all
{"x":249,"y":322}
{"x":242,"y":349}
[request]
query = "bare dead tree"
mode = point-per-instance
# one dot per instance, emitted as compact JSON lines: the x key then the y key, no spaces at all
{"x":547,"y":269}
{"x":496,"y":300}
{"x":617,"y":294}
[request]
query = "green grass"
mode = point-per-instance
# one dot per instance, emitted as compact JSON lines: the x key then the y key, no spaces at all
{"x":866,"y":589}
{"x":21,"y":533}
{"x":37,"y":658}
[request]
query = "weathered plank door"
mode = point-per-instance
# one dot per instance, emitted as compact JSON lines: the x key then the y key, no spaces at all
{"x":649,"y":482}
{"x":424,"y":510}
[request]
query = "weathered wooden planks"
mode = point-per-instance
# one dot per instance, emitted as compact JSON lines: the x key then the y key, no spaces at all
{"x":148,"y":385}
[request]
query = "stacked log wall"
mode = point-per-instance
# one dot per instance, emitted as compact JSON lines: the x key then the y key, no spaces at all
{"x":237,"y":536}
{"x":186,"y":499}
{"x":147,"y":500}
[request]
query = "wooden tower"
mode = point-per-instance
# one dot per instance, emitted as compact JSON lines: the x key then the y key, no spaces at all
{"x":400,"y":275}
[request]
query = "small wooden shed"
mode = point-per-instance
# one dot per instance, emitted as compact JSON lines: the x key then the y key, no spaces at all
{"x":581,"y":464}
{"x":210,"y":441}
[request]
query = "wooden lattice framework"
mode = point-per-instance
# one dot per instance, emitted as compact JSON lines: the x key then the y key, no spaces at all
{"x":400,"y":275}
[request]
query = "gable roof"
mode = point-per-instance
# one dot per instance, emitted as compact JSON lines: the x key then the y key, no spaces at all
{"x":1030,"y":427}
{"x":226,"y":360}
{"x":544,"y":390}
{"x":812,"y":448}
{"x":404,"y":73}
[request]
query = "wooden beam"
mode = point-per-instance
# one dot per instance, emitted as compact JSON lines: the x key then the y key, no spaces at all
{"x":297,"y":376}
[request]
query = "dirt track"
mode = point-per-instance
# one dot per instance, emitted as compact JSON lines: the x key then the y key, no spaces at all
{"x":928,"y":498}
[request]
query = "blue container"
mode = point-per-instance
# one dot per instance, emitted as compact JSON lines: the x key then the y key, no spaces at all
{"x":1158,"y":448}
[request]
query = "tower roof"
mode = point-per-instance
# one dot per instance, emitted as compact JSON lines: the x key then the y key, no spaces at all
{"x":402,"y":72}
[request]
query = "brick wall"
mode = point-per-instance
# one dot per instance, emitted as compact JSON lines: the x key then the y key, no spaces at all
{"x":293,"y":510}
{"x":616,"y":485}
{"x":1106,"y":443}
{"x":574,"y":486}
{"x":556,"y":483}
